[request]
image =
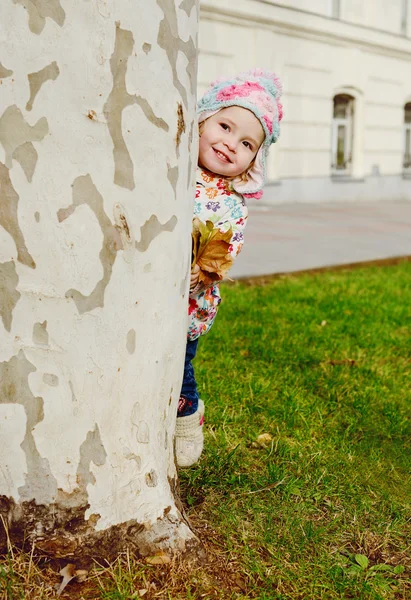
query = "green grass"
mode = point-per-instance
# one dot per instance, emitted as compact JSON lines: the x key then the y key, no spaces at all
{"x":319,"y":508}
{"x":321,"y":363}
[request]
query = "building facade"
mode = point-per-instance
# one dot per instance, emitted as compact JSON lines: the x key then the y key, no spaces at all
{"x":346,"y":72}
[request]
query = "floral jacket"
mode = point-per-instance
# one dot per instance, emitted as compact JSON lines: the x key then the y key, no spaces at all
{"x":215,"y":201}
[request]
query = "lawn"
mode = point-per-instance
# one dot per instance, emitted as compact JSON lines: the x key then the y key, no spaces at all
{"x":307,"y":465}
{"x":304,"y":488}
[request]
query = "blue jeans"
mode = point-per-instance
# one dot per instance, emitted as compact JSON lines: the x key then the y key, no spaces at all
{"x":188,"y":403}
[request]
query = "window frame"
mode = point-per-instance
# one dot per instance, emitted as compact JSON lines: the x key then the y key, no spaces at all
{"x":407,"y":130}
{"x":337,"y":122}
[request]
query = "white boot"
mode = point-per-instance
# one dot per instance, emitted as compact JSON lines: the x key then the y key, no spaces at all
{"x":189,"y":437}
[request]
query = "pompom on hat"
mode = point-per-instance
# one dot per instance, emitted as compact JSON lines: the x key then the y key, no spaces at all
{"x":259,"y":91}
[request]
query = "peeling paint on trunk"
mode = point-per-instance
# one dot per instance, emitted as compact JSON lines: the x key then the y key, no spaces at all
{"x":151,"y":478}
{"x":4,"y":72}
{"x":39,"y":10}
{"x":85,"y":192}
{"x":131,"y":341}
{"x":51,"y":379}
{"x":151,"y":229}
{"x":40,"y":334}
{"x":172,"y":176}
{"x":16,"y":132}
{"x":14,"y":389}
{"x":187,"y":6}
{"x":131,"y":456}
{"x":126,"y":242}
{"x":117,"y":101}
{"x":149,"y":114}
{"x":169,"y":40}
{"x":9,"y":199}
{"x":26,"y":155}
{"x":181,"y":127}
{"x":9,"y":296}
{"x":36,"y":80}
{"x":92,"y":450}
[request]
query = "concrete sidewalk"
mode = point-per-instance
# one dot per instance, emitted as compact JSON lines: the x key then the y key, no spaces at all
{"x":295,"y":237}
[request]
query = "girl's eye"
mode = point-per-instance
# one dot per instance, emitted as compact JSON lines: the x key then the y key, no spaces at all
{"x":247,"y":145}
{"x":224,"y":126}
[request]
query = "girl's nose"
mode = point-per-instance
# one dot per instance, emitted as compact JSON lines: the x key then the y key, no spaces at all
{"x":230,"y":143}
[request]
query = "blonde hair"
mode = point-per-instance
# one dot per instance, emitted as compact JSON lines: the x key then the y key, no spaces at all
{"x":243,"y":176}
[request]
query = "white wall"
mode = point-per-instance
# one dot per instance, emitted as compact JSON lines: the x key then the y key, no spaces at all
{"x":379,"y":14}
{"x":321,"y":7}
{"x":374,"y":13}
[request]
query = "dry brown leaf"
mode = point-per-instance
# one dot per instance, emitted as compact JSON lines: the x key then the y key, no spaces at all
{"x":68,"y":573}
{"x":200,"y":235}
{"x":346,"y":361}
{"x":211,"y":251}
{"x":81,"y":575}
{"x":264,"y":438}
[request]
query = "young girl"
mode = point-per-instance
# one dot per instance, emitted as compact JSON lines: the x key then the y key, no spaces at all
{"x":238,"y":121}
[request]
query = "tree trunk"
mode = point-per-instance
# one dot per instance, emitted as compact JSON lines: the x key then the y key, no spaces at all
{"x":96,"y":183}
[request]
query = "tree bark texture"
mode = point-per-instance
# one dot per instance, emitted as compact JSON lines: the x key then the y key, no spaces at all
{"x":97,"y":106}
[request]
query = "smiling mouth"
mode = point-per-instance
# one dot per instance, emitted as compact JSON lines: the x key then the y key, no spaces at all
{"x":222,"y":156}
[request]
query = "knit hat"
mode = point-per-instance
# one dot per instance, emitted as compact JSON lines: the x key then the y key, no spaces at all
{"x":258,"y":91}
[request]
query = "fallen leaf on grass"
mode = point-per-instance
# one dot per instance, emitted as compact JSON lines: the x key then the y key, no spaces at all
{"x":346,"y":361}
{"x":210,"y":251}
{"x":68,"y":573}
{"x":264,"y":438}
{"x":81,"y":575}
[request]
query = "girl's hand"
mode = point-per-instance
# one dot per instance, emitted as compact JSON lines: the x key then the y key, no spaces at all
{"x":196,"y":286}
{"x":195,"y":272}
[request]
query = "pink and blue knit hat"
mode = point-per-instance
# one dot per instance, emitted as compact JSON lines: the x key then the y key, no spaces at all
{"x":259,"y":91}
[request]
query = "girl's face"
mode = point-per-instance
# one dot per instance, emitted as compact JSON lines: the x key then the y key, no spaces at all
{"x":229,"y":141}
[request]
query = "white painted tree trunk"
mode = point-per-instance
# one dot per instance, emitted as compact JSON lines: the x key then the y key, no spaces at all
{"x":97,"y":101}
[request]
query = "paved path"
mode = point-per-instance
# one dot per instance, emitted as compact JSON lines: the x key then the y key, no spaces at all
{"x":295,"y":237}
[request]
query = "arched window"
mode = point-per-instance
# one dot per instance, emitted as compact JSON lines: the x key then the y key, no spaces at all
{"x":342,"y":134}
{"x":407,"y":137}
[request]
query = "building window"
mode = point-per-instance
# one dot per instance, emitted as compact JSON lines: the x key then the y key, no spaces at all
{"x":342,"y":134}
{"x":407,"y":137}
{"x":335,"y":9}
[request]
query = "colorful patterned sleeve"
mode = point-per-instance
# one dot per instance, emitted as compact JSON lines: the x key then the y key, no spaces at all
{"x":237,"y":218}
{"x":216,"y":202}
{"x":202,"y":310}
